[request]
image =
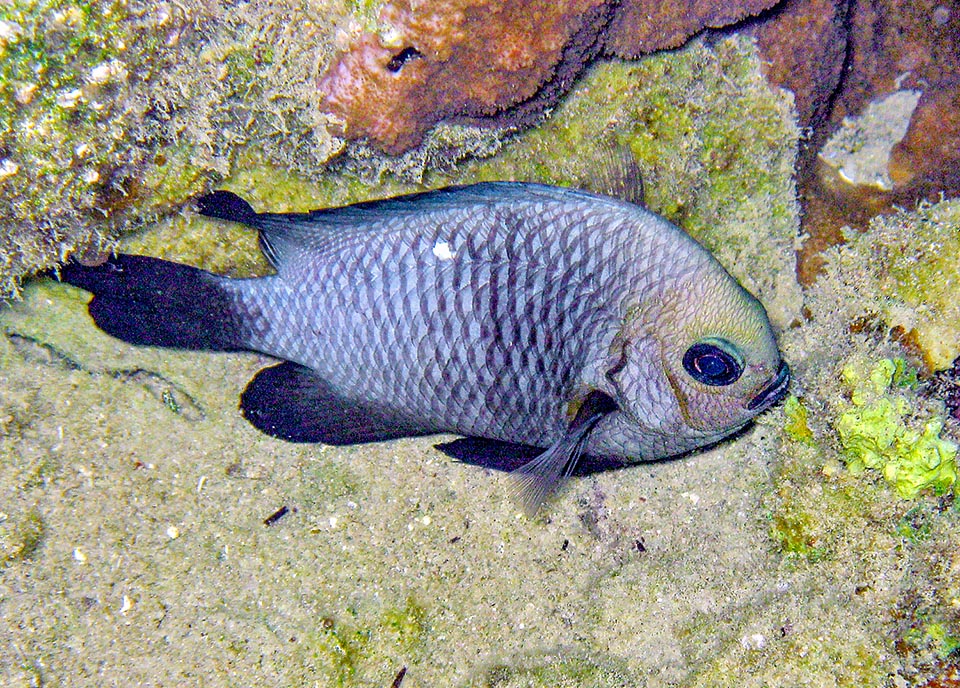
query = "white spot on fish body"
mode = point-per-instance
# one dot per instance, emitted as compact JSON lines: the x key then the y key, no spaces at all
{"x":442,"y":250}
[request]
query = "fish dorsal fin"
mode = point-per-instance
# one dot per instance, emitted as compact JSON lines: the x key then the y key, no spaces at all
{"x":539,"y":478}
{"x":617,"y":175}
{"x":291,"y":402}
{"x":284,"y":234}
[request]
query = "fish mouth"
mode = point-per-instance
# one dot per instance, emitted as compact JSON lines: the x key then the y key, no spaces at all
{"x":775,"y":390}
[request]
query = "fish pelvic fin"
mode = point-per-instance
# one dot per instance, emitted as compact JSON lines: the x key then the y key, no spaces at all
{"x":538,"y":479}
{"x":154,"y":302}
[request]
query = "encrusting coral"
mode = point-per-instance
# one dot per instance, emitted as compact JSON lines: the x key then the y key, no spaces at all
{"x":839,"y":58}
{"x":457,"y":58}
{"x":492,"y":62}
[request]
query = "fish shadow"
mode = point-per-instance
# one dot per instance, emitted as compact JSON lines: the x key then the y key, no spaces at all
{"x":507,"y":456}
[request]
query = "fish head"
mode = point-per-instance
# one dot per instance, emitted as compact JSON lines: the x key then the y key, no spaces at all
{"x":699,"y":360}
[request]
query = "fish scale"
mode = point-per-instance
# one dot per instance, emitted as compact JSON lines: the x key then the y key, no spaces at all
{"x":488,"y":292}
{"x":503,"y":311}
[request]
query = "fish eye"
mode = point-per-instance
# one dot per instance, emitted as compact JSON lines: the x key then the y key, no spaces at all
{"x":713,"y":362}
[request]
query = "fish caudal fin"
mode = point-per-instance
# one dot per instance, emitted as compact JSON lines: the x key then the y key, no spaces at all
{"x":155,"y":302}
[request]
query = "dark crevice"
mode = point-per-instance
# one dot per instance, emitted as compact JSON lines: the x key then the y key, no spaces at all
{"x":401,"y":58}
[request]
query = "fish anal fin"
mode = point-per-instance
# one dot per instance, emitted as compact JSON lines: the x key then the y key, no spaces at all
{"x":293,"y":403}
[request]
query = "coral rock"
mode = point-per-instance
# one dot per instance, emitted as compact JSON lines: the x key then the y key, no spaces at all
{"x":928,"y":157}
{"x":643,"y":26}
{"x":910,"y":44}
{"x":804,"y":45}
{"x":458,"y":59}
{"x":496,"y":62}
{"x":889,"y":46}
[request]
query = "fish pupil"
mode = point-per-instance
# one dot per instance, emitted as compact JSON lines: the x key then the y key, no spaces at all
{"x":711,"y":363}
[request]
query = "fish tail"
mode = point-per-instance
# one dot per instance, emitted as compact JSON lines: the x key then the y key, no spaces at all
{"x":155,"y":302}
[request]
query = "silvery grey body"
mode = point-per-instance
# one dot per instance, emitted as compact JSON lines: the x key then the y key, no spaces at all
{"x":481,"y":311}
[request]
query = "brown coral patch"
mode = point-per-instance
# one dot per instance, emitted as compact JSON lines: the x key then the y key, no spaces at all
{"x":838,"y":56}
{"x":910,"y":44}
{"x":928,"y":157}
{"x":468,"y":58}
{"x":804,"y":45}
{"x":492,"y":62}
{"x":643,"y":26}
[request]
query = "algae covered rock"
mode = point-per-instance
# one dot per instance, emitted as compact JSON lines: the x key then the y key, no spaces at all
{"x":916,"y":260}
{"x":113,"y":113}
{"x":907,"y":265}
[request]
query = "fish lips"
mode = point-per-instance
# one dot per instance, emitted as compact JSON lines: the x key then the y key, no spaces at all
{"x":773,"y":392}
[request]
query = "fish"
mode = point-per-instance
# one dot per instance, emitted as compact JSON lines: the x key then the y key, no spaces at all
{"x":574,"y":322}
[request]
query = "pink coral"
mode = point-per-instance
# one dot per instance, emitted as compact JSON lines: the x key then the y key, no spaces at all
{"x":499,"y":62}
{"x":464,"y":58}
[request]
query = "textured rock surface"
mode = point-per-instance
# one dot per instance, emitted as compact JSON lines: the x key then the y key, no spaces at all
{"x":458,"y":59}
{"x":645,"y":26}
{"x":804,"y":44}
{"x":497,"y":63}
{"x":112,"y":114}
{"x":840,"y":57}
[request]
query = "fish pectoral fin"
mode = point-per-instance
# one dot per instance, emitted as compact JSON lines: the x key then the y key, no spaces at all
{"x":539,"y":478}
{"x":291,"y":402}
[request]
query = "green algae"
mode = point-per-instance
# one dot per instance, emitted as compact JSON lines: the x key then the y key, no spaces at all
{"x":409,"y":627}
{"x":340,"y":649}
{"x":797,"y":424}
{"x":346,"y":652}
{"x":558,"y":670}
{"x":795,"y":534}
{"x":946,"y":643}
{"x":876,"y":432}
{"x":810,"y":520}
{"x":21,"y":536}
